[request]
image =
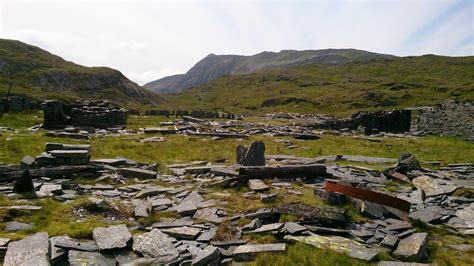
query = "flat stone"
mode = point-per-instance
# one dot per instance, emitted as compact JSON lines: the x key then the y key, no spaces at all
{"x":57,"y":253}
{"x":17,"y":226}
{"x":138,"y":173}
{"x":268,"y":198}
{"x":189,"y":205}
{"x":467,"y":214}
{"x":81,"y":245}
{"x":390,"y":241}
{"x":141,"y":208}
{"x":247,"y":252}
{"x":32,"y":250}
{"x":161,"y":202}
{"x":430,"y":214}
{"x":150,"y":191}
{"x":112,"y":162}
{"x":362,"y":234}
{"x":428,"y":185}
{"x":206,"y":256}
{"x":207,"y":236}
{"x":70,"y":153}
{"x":401,"y":263}
{"x":184,"y":232}
{"x":81,"y":258}
{"x":49,"y":190}
{"x":293,"y":228}
{"x":338,"y":244}
{"x":209,"y":215}
{"x":185,"y":221}
{"x":261,"y":214}
{"x":267,"y":228}
{"x":111,"y":237}
{"x":22,"y":207}
{"x":26,"y":162}
{"x":155,"y":244}
{"x":412,"y":248}
{"x":257,"y":185}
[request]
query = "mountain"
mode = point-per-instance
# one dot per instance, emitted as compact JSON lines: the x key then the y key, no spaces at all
{"x":36,"y":71}
{"x":339,"y":89}
{"x":214,"y":66}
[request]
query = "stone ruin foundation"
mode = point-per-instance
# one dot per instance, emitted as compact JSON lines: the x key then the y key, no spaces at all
{"x":446,"y":119}
{"x":96,"y":114}
{"x":196,"y":114}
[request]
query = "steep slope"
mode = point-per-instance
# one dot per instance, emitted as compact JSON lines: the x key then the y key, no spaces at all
{"x":31,"y":67}
{"x":214,"y":66}
{"x":339,"y":89}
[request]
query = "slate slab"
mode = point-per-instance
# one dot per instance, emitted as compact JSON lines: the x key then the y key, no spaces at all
{"x":32,"y":250}
{"x":247,"y":252}
{"x":111,"y":237}
{"x":412,"y":248}
{"x":81,"y":258}
{"x":185,"y":232}
{"x":141,"y":208}
{"x":267,"y":228}
{"x":17,"y":226}
{"x":155,"y":244}
{"x":257,"y":185}
{"x":138,"y":173}
{"x":206,"y":256}
{"x":430,"y":214}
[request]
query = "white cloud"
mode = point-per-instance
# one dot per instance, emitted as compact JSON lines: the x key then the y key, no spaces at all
{"x":149,"y":40}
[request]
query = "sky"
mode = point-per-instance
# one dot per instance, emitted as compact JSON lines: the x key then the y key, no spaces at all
{"x":152,"y":39}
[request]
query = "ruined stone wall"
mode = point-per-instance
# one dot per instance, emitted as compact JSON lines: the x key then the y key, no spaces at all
{"x":196,"y":114}
{"x":18,"y":104}
{"x":96,"y":114}
{"x":447,"y":119}
{"x":396,"y":121}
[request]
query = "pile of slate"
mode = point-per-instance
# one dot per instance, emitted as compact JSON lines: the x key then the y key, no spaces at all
{"x":194,"y":235}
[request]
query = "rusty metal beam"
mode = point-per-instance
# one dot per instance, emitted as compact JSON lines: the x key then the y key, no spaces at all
{"x":368,"y":195}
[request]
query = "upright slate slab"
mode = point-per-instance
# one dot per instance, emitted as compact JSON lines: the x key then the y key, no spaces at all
{"x":32,"y":250}
{"x":255,"y":155}
{"x":24,"y":183}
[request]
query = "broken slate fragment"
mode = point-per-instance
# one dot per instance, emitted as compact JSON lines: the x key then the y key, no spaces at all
{"x":247,"y":252}
{"x":31,"y":250}
{"x":267,"y":228}
{"x":155,"y":244}
{"x":184,"y":232}
{"x":111,"y":237}
{"x":80,"y":258}
{"x":23,"y":183}
{"x":257,"y":185}
{"x":138,"y":173}
{"x":293,"y":228}
{"x":141,"y":208}
{"x":15,"y":226}
{"x":389,"y":241}
{"x":206,"y":256}
{"x":412,"y":248}
{"x":428,"y":215}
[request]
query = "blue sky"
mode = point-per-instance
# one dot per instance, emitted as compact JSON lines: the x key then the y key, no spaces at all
{"x":153,"y":39}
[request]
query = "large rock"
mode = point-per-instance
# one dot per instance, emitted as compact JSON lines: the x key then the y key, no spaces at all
{"x":24,"y":183}
{"x":255,"y":155}
{"x":32,"y":250}
{"x":412,"y":248}
{"x":155,"y":244}
{"x":111,"y":237}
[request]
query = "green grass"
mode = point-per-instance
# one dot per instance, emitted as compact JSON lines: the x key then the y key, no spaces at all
{"x":22,"y":120}
{"x":340,"y":90}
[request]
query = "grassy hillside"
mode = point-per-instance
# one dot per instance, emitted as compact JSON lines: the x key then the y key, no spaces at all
{"x":38,"y":73}
{"x":214,"y":66}
{"x":337,"y":89}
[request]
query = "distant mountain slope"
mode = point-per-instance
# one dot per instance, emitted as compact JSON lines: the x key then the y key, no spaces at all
{"x":214,"y":66}
{"x":338,"y":89}
{"x":34,"y":68}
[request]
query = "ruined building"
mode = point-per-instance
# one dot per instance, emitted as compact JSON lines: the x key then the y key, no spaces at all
{"x":96,"y":114}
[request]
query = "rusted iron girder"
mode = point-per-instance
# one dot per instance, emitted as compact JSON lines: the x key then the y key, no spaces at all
{"x":368,"y":195}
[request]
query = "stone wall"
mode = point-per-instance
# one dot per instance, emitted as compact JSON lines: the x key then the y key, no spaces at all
{"x":447,"y":119}
{"x":196,"y":114}
{"x":396,"y":121}
{"x":16,"y":104}
{"x":96,"y":114}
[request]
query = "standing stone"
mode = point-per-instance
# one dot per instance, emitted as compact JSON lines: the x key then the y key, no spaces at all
{"x":24,"y":183}
{"x":156,"y":245}
{"x":111,"y":237}
{"x":240,"y":154}
{"x":412,"y":248}
{"x":255,"y":155}
{"x":32,"y":250}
